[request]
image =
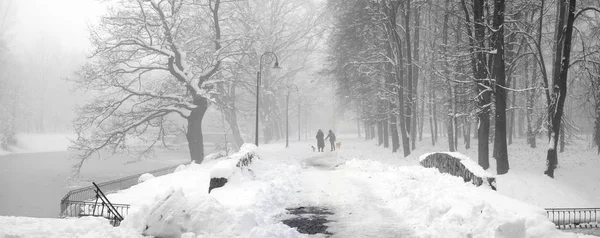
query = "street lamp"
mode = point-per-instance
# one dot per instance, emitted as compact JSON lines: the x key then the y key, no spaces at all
{"x":287,"y":115}
{"x":276,"y":66}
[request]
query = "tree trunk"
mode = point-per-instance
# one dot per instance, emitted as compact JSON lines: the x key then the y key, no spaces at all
{"x":396,"y":44}
{"x":431,"y":110}
{"x":449,"y":86}
{"x":559,"y":94}
{"x":500,"y":147}
{"x":409,"y":67}
{"x":532,"y":134}
{"x":422,"y":117}
{"x":357,"y":120}
{"x":194,"y":131}
{"x":435,"y":120}
{"x":483,"y":86}
{"x":231,"y":118}
{"x":386,"y":134}
{"x":390,"y":103}
{"x":416,"y":59}
{"x":379,"y":133}
{"x":467,"y":135}
{"x":562,"y":139}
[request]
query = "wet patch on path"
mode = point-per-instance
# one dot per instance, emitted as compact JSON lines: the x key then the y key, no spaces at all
{"x":309,"y":220}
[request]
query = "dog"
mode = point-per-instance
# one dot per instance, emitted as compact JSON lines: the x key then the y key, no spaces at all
{"x":338,"y":145}
{"x":313,"y":147}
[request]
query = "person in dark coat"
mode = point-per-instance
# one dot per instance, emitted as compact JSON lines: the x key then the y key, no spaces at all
{"x":331,"y":137}
{"x":320,"y":141}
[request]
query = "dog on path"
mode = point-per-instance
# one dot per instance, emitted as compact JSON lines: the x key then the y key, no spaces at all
{"x":338,"y":145}
{"x":313,"y":147}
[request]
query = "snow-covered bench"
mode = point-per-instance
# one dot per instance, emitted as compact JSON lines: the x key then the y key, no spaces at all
{"x":236,"y":163}
{"x":459,"y":165}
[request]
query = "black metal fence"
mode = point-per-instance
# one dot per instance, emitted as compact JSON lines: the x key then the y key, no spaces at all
{"x":76,"y":198}
{"x":570,"y":218}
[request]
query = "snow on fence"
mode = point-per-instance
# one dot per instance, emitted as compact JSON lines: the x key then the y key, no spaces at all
{"x":458,"y":165}
{"x":74,"y":199}
{"x":570,"y":218}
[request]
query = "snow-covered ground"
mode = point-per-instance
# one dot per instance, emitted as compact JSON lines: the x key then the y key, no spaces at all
{"x":372,"y":192}
{"x":36,"y":143}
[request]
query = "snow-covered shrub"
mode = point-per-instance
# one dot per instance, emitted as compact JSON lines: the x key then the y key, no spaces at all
{"x":238,"y":162}
{"x":458,"y":165}
{"x":145,"y":177}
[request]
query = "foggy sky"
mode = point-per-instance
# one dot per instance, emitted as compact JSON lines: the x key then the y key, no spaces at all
{"x":47,"y":41}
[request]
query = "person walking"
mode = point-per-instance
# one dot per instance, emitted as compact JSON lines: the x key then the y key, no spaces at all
{"x":320,"y":141}
{"x":331,"y":137}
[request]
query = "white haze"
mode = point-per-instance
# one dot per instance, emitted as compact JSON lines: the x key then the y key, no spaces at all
{"x":46,"y":42}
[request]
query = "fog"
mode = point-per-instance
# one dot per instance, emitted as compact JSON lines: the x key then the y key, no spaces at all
{"x":44,"y":42}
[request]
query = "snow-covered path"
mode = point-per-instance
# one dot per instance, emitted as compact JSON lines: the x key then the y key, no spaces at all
{"x":358,"y":212}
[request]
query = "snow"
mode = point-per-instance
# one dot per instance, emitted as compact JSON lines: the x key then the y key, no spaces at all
{"x":371,"y":191}
{"x":49,"y":227}
{"x":466,"y":161}
{"x":223,"y":169}
{"x":145,"y":177}
{"x":36,"y":143}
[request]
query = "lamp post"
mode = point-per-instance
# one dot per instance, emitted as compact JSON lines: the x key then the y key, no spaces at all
{"x":287,"y":115}
{"x":276,"y":66}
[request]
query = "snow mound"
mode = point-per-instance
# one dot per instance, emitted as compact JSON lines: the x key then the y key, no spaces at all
{"x":224,"y":169}
{"x":441,"y":205}
{"x":49,"y":227}
{"x":236,"y":162}
{"x":194,"y":214}
{"x":145,"y":177}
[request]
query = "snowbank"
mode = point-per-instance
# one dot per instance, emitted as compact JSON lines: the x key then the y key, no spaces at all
{"x":235,"y":164}
{"x":59,"y":228}
{"x":368,"y":198}
{"x":441,"y":205}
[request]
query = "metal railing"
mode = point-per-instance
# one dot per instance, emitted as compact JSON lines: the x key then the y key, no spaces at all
{"x":570,"y":218}
{"x":88,"y":194}
{"x":79,"y":209}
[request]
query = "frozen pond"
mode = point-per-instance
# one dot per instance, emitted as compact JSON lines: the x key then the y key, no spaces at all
{"x":32,"y":184}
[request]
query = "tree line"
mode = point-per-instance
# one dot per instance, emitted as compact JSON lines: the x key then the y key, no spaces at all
{"x":466,"y":64}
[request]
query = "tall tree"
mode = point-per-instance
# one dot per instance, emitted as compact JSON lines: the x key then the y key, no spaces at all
{"x":500,"y":147}
{"x":480,"y":73}
{"x":449,"y":85}
{"x":390,"y":9}
{"x":564,"y":30}
{"x":152,"y":59}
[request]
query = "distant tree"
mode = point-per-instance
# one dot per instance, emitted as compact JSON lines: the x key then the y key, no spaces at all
{"x":8,"y":97}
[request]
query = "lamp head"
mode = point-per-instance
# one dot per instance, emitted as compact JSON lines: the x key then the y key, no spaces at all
{"x":276,"y":66}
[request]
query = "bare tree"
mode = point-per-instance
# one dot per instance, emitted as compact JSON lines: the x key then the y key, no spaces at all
{"x":153,"y":62}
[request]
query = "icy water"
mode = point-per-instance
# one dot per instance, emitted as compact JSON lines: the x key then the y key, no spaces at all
{"x":33,"y":184}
